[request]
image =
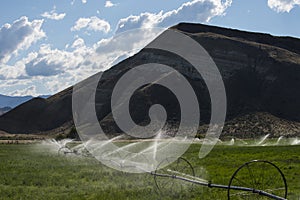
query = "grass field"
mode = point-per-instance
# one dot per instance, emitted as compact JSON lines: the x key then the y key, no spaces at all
{"x":28,"y":172}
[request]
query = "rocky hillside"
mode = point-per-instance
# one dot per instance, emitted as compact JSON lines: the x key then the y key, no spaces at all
{"x":256,"y":124}
{"x":39,"y":115}
{"x":261,"y":74}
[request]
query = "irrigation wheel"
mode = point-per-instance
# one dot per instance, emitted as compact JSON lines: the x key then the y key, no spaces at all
{"x":258,"y":175}
{"x":169,"y":185}
{"x":64,"y":151}
{"x":85,"y":153}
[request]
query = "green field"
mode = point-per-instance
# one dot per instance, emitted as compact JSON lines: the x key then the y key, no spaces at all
{"x":28,"y":172}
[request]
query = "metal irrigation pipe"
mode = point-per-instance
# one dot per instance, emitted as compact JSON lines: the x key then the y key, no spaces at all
{"x":211,"y":185}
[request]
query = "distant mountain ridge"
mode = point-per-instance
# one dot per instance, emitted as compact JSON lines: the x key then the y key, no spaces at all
{"x":260,"y":73}
{"x":13,"y":101}
{"x":4,"y":110}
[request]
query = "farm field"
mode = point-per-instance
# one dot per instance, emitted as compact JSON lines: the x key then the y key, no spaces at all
{"x":28,"y":171}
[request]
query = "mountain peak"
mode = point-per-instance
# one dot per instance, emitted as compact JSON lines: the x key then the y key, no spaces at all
{"x":260,"y":73}
{"x":285,"y":42}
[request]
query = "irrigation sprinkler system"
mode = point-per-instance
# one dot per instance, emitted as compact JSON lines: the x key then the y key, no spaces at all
{"x":66,"y":150}
{"x":257,"y":179}
{"x":249,"y":181}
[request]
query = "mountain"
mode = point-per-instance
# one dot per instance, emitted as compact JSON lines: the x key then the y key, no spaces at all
{"x":13,"y":101}
{"x":9,"y":101}
{"x":4,"y":110}
{"x":260,"y":73}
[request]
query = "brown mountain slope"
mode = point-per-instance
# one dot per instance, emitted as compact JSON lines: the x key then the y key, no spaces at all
{"x":261,"y":73}
{"x":39,"y":115}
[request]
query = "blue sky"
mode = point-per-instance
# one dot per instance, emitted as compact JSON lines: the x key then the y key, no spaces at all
{"x":46,"y":46}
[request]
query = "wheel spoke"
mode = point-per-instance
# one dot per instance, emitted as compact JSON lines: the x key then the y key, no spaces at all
{"x":242,"y":182}
{"x":168,"y":185}
{"x":252,"y":177}
{"x":262,"y":175}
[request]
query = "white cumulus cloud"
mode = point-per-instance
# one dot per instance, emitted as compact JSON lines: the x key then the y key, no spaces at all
{"x":8,"y":72}
{"x":79,"y":42}
{"x":92,"y":23}
{"x":56,"y":69}
{"x":53,"y":15}
{"x":51,"y":62}
{"x":19,"y":35}
{"x":283,"y":5}
{"x":31,"y":90}
{"x":193,"y":11}
{"x":109,"y":4}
